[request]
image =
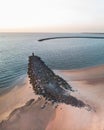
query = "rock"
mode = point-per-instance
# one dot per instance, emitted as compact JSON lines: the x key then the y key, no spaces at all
{"x":49,"y":85}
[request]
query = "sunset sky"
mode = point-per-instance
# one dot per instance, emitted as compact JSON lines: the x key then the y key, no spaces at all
{"x":52,"y":15}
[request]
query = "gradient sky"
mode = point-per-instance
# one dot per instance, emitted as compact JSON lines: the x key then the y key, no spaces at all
{"x":52,"y":15}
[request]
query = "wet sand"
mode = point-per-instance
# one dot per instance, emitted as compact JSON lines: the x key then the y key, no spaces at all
{"x":30,"y":117}
{"x":15,"y":98}
{"x":89,"y":86}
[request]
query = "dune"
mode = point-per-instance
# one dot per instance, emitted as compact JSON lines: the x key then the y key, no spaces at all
{"x":88,"y":84}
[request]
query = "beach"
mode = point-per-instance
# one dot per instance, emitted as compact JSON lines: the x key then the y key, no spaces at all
{"x":88,"y":84}
{"x":15,"y":98}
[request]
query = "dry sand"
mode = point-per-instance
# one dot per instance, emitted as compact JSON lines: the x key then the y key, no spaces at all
{"x":89,"y":86}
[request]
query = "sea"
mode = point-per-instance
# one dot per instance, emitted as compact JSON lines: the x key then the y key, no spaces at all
{"x":58,"y":54}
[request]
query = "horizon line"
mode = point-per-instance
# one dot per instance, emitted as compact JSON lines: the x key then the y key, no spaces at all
{"x":49,"y":32}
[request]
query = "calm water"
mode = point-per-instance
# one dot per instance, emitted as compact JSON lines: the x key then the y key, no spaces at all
{"x":58,"y":53}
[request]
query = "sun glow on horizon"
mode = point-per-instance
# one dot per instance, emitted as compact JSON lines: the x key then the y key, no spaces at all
{"x":51,"y":15}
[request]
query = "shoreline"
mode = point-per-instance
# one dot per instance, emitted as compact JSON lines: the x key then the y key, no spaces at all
{"x":20,"y":82}
{"x":62,"y":73}
{"x":15,"y":97}
{"x":90,"y":92}
{"x":57,"y":71}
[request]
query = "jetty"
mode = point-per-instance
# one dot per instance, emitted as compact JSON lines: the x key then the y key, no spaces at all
{"x":71,"y":37}
{"x":49,"y":85}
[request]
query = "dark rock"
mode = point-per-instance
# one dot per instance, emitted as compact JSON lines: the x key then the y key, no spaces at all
{"x":49,"y":85}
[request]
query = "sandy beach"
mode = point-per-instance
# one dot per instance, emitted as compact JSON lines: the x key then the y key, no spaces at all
{"x":15,"y":98}
{"x":88,"y":84}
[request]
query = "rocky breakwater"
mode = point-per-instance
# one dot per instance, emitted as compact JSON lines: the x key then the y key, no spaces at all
{"x":51,"y":86}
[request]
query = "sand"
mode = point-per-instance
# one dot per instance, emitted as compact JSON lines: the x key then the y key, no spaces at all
{"x":15,"y":98}
{"x":30,"y":117}
{"x":89,"y":86}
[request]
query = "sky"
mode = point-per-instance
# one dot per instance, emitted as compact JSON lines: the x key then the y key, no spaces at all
{"x":51,"y":15}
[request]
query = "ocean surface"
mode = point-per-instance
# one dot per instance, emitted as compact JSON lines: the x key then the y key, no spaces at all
{"x":57,"y":53}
